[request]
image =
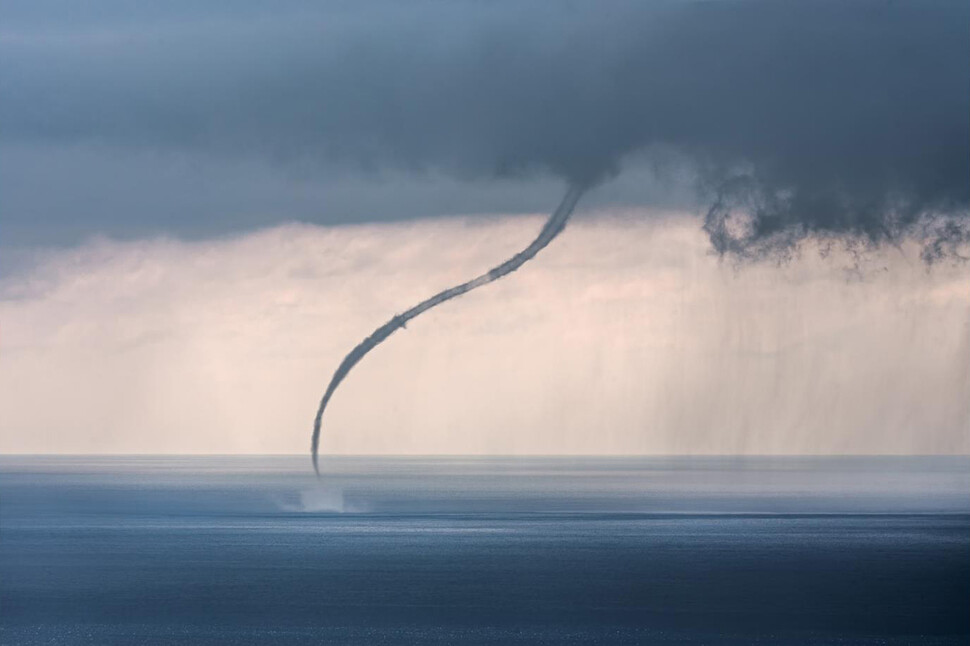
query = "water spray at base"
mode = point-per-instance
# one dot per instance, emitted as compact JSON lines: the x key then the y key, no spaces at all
{"x":553,"y":226}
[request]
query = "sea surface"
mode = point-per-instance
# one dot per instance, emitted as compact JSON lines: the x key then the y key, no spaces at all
{"x":674,"y":550}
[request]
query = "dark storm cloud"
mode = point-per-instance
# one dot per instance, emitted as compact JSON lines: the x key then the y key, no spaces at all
{"x":798,"y":118}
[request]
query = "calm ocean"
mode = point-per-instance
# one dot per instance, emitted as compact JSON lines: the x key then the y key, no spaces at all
{"x":252,"y":550}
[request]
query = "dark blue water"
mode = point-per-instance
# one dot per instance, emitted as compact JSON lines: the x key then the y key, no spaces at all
{"x":235,"y":550}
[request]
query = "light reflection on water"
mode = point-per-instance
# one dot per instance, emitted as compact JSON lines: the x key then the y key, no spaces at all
{"x":267,"y":484}
{"x":255,"y":550}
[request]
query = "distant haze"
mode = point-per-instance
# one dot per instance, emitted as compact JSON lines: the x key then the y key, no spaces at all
{"x":626,"y":336}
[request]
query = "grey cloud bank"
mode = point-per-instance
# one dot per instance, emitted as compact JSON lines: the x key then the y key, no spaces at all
{"x":792,"y":118}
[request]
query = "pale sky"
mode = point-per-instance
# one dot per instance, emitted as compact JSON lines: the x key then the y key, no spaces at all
{"x":627,"y":335}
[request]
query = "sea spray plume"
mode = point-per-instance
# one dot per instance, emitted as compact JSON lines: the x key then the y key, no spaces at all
{"x":553,"y":226}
